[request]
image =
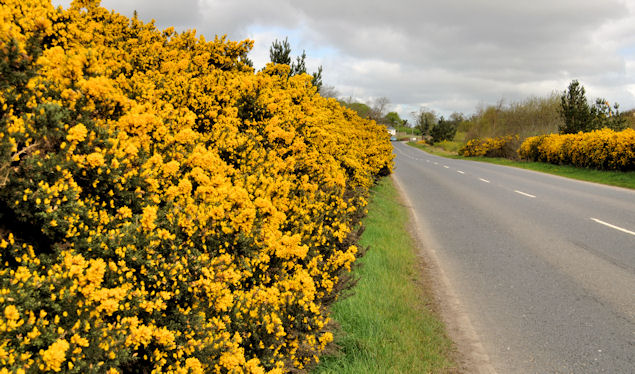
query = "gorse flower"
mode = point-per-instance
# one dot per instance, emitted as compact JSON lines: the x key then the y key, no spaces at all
{"x":600,"y":149}
{"x":77,"y":133}
{"x":165,"y":207}
{"x":503,"y":146}
{"x":54,"y":356}
{"x":11,"y":313}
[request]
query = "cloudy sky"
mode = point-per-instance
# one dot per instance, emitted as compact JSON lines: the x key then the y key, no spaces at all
{"x":446,"y":55}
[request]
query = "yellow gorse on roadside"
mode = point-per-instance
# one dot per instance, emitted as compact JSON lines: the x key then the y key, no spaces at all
{"x":502,"y":146}
{"x":600,"y":149}
{"x":162,"y":206}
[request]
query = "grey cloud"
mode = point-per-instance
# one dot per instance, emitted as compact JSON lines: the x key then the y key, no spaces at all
{"x":446,"y":52}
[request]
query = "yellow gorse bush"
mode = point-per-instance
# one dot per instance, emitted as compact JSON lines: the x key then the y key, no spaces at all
{"x":164,"y":208}
{"x":600,"y":149}
{"x":502,"y":146}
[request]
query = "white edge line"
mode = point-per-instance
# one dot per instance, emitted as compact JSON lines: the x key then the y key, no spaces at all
{"x":483,"y":180}
{"x":524,"y":193}
{"x":613,"y":226}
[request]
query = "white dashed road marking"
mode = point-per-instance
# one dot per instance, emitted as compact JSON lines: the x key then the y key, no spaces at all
{"x":613,"y":226}
{"x":483,"y":180}
{"x":460,"y":172}
{"x":524,"y":193}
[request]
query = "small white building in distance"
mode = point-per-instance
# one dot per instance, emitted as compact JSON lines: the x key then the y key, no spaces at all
{"x":392,"y":131}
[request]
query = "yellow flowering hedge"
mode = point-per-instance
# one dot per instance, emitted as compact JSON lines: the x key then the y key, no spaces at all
{"x":502,"y":146}
{"x":163,"y":208}
{"x":600,"y":149}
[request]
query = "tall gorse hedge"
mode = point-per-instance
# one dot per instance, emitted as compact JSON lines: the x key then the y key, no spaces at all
{"x":600,"y":149}
{"x":163,"y":208}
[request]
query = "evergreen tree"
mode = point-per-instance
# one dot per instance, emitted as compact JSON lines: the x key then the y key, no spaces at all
{"x":280,"y":53}
{"x":606,"y":116}
{"x":317,"y":78}
{"x":579,"y":116}
{"x":574,"y":110}
{"x":443,"y":130}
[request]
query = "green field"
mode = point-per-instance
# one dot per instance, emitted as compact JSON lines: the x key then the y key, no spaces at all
{"x":388,"y":324}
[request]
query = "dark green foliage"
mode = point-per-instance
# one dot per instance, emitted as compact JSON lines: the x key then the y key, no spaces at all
{"x":579,"y":116}
{"x":299,"y":66}
{"x":605,"y":116}
{"x":317,"y":78}
{"x":280,"y":53}
{"x":444,"y":130}
{"x":393,"y":119}
{"x":575,"y":110}
{"x":363,"y":110}
{"x":425,"y":120}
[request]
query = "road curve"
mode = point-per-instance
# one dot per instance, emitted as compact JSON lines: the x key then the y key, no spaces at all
{"x":543,"y":265}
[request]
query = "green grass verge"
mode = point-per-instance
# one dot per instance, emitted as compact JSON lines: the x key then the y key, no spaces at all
{"x":387,"y":325}
{"x":611,"y":178}
{"x":438,"y":149}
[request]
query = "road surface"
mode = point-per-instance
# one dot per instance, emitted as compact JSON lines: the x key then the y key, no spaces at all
{"x":543,"y":265}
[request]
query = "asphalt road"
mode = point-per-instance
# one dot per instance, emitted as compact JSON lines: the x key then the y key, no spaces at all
{"x":543,"y":265}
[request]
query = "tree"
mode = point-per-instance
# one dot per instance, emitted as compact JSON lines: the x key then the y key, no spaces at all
{"x":328,"y":91}
{"x":424,"y":120}
{"x":629,"y":115}
{"x":299,"y":66}
{"x":378,"y":108}
{"x":574,"y":109}
{"x":280,"y":53}
{"x":457,"y":118}
{"x":362,"y":109}
{"x":579,"y":116}
{"x":393,"y":119}
{"x":443,"y":130}
{"x":317,"y":78}
{"x":605,"y":116}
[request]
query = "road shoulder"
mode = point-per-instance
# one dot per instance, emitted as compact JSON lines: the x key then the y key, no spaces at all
{"x":469,"y":354}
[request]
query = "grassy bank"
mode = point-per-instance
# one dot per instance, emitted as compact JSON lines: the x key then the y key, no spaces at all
{"x":444,"y":149}
{"x":387,"y":325}
{"x":611,"y":178}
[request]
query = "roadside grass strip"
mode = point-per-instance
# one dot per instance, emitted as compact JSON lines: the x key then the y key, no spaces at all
{"x":388,"y":324}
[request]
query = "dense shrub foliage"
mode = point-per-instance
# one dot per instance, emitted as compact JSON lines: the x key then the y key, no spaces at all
{"x":600,"y":149}
{"x":444,"y":130}
{"x":502,"y":146}
{"x":164,"y":208}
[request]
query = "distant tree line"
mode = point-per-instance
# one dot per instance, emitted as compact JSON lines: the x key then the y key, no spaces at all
{"x":565,"y":113}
